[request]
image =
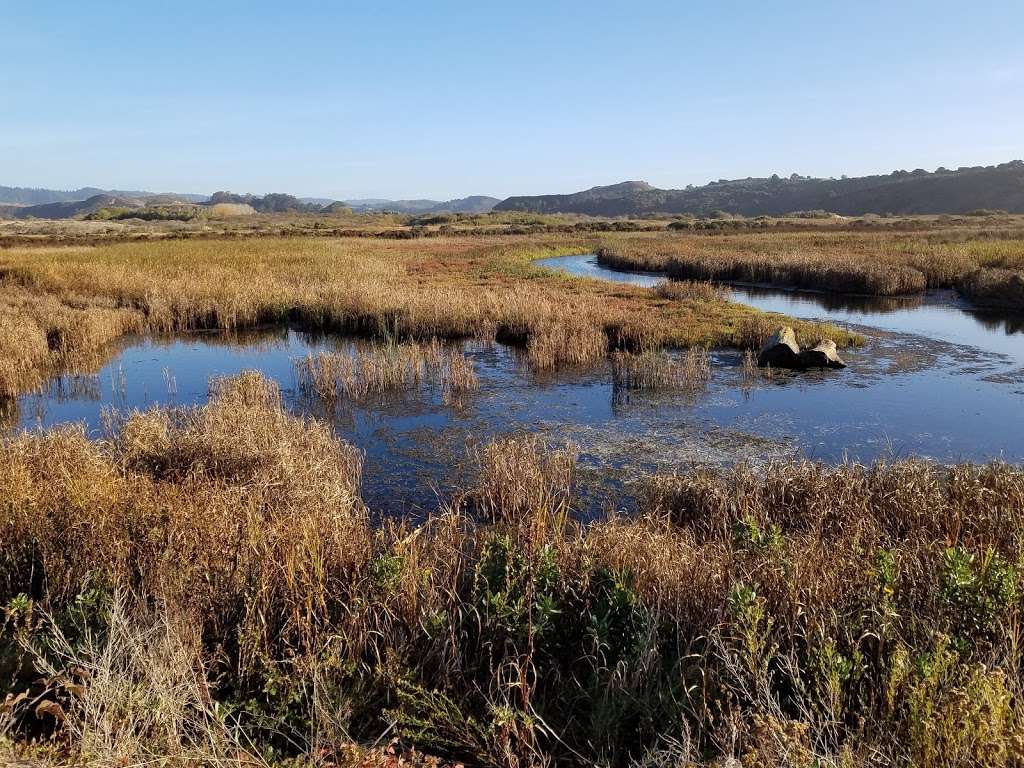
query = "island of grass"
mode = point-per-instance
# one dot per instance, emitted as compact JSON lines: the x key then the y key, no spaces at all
{"x":60,"y":307}
{"x":986,"y":268}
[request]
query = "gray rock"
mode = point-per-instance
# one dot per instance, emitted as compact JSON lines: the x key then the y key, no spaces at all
{"x":823,"y":355}
{"x":781,"y":350}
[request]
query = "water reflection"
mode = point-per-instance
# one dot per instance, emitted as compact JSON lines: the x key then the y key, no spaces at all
{"x":935,"y":315}
{"x":940,"y":382}
{"x":998,"y":321}
{"x":830,"y":302}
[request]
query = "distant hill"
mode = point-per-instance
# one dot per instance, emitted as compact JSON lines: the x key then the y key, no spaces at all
{"x":71,"y":209}
{"x":36,"y":196}
{"x":901,"y":192}
{"x":471,"y":204}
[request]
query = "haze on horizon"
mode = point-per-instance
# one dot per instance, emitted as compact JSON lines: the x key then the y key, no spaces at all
{"x":451,"y":99}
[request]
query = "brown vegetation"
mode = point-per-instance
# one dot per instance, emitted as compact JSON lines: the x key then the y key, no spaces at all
{"x":387,"y":367}
{"x":656,"y":369}
{"x":59,"y":307}
{"x":205,"y":586}
{"x":984,"y":265}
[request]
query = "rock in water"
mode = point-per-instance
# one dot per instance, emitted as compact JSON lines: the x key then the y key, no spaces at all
{"x":824,"y":355}
{"x":781,"y":350}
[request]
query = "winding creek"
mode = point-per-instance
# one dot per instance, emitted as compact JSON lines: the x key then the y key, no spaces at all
{"x":935,"y":379}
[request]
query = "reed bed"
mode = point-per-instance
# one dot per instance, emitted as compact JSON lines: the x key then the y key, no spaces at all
{"x":995,"y":286}
{"x":882,"y":264}
{"x":572,"y":343}
{"x":204,"y":585}
{"x":656,"y":369}
{"x":60,"y":308}
{"x":458,"y":377}
{"x":691,"y":290}
{"x":390,"y":367}
{"x":750,"y":368}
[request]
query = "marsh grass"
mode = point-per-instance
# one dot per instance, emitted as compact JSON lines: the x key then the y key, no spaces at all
{"x":995,"y":286}
{"x":199,"y":562}
{"x":750,"y":367}
{"x":691,"y":290}
{"x":982,"y":265}
{"x":61,"y":308}
{"x":381,"y":368}
{"x":574,"y":342}
{"x":657,"y":369}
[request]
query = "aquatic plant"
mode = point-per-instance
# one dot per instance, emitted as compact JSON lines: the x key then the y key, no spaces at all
{"x":60,"y":308}
{"x":388,"y":367}
{"x":205,"y":585}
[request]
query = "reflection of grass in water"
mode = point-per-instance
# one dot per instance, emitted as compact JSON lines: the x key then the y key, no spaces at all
{"x":216,"y":557}
{"x":59,"y":307}
{"x":657,"y":369}
{"x":388,"y":367}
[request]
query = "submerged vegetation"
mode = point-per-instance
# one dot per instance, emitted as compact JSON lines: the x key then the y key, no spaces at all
{"x":206,"y":585}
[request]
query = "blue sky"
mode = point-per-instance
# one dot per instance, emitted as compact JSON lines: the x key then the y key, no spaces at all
{"x":445,"y":99}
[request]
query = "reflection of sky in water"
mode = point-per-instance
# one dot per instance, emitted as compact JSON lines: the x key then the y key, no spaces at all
{"x":901,"y":394}
{"x":933,"y":316}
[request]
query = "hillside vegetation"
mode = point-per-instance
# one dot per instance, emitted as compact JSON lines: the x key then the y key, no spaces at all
{"x":901,"y":192}
{"x":471,"y":204}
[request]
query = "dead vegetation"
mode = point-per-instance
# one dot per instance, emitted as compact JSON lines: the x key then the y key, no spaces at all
{"x":388,"y":367}
{"x":205,"y":586}
{"x":987,"y":267}
{"x":656,"y":369}
{"x":61,"y":308}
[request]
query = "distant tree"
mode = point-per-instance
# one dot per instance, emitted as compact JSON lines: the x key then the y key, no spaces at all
{"x":278,"y":202}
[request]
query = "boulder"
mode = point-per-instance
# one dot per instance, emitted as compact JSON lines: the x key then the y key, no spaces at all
{"x":781,"y":350}
{"x":823,"y":355}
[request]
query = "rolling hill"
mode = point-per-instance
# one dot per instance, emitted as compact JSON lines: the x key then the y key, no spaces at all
{"x":71,"y":209}
{"x":32,"y":196}
{"x":900,"y":192}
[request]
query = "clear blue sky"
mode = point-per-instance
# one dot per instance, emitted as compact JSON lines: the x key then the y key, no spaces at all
{"x":445,"y":99}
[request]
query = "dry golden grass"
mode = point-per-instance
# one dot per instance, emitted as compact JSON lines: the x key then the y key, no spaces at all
{"x":879,"y":263}
{"x":238,"y":490}
{"x":60,"y":307}
{"x":690,"y":290}
{"x":206,"y":586}
{"x":218,"y":560}
{"x":386,"y":367}
{"x":656,"y":369}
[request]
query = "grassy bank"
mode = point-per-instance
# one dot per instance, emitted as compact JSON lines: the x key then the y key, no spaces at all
{"x":206,"y":587}
{"x":985,"y":266}
{"x":61,"y":307}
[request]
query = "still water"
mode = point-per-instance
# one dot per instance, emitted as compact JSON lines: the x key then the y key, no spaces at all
{"x":935,"y":380}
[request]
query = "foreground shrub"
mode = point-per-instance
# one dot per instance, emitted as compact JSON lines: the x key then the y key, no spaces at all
{"x":206,"y":582}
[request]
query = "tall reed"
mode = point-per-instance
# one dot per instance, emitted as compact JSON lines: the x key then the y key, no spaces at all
{"x":197,"y":562}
